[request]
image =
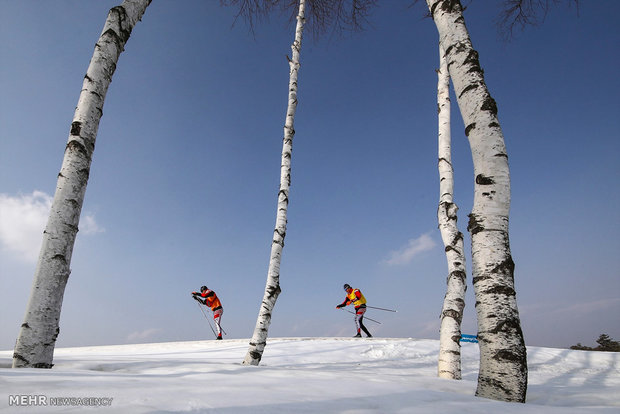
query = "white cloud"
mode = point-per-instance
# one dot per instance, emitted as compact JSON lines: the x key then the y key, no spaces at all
{"x":88,"y":225}
{"x":413,"y":248}
{"x":144,"y":335}
{"x":23,"y":219}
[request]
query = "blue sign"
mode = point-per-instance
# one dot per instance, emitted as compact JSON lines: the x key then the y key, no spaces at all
{"x":469,"y":338}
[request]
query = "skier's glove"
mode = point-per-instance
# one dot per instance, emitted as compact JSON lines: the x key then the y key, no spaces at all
{"x":339,"y":306}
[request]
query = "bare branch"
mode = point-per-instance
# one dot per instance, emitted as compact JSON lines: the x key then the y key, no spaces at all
{"x":522,"y":13}
{"x":321,"y":15}
{"x":250,"y":10}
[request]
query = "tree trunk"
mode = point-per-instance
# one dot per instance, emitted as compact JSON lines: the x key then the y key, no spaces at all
{"x":503,"y":361}
{"x":37,"y":336}
{"x":449,"y":365}
{"x":272,"y":288}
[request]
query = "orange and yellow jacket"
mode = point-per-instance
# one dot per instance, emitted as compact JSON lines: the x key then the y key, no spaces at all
{"x":356,"y":298}
{"x":211,"y":299}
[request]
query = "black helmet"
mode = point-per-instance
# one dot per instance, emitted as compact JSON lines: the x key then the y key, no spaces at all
{"x":346,"y":286}
{"x":203,"y":288}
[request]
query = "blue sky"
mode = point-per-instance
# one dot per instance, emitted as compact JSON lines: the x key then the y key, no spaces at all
{"x":185,"y":174}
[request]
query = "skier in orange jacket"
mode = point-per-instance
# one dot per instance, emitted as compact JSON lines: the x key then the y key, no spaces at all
{"x":355,"y":297}
{"x":213,"y":302}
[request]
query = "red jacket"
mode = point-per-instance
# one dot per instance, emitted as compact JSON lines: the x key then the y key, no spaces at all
{"x":211,"y":299}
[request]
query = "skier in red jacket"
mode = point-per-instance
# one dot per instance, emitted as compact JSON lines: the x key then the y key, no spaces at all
{"x":213,"y":302}
{"x":355,"y":297}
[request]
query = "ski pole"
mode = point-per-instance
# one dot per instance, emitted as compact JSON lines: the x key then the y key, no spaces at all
{"x":383,"y":309}
{"x":209,"y":322}
{"x":221,"y":329}
{"x":207,"y":318}
{"x":353,"y":313}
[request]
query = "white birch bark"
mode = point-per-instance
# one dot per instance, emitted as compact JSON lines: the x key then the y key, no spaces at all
{"x":503,"y":360}
{"x":37,"y":336}
{"x":449,"y":365}
{"x":272,"y":288}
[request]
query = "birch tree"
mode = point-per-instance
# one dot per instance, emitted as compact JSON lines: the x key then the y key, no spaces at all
{"x":38,"y":333}
{"x":343,"y":14}
{"x":449,"y":365}
{"x":272,"y":288}
{"x":503,"y":362}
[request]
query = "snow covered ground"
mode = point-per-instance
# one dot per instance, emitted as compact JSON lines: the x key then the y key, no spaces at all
{"x":299,"y":375}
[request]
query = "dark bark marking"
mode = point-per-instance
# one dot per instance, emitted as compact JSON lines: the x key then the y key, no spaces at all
{"x":477,"y":279}
{"x":19,"y":357}
{"x":468,"y":88}
{"x":458,"y":237}
{"x":484,"y":180}
{"x":459,"y":46}
{"x":84,"y":173}
{"x":444,"y":160}
{"x":77,"y":146}
{"x":450,"y":6}
{"x":451,"y":313}
{"x":511,"y":325}
{"x":473,"y":60}
{"x":124,"y":28}
{"x":60,"y":257}
{"x":76,"y":127}
{"x":433,"y":8}
{"x":469,"y":128}
{"x":474,"y":225}
{"x":282,"y":235}
{"x":447,"y":206}
{"x":98,"y":95}
{"x":500,"y":290}
{"x":256,"y":355}
{"x":493,"y":383}
{"x":283,"y":193}
{"x":273,"y":291}
{"x":460,"y":275}
{"x":505,"y":267}
{"x":42,"y":365}
{"x":490,"y":105}
{"x":74,"y":203}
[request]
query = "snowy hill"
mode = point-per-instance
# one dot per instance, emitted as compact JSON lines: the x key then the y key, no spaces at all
{"x":299,"y":375}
